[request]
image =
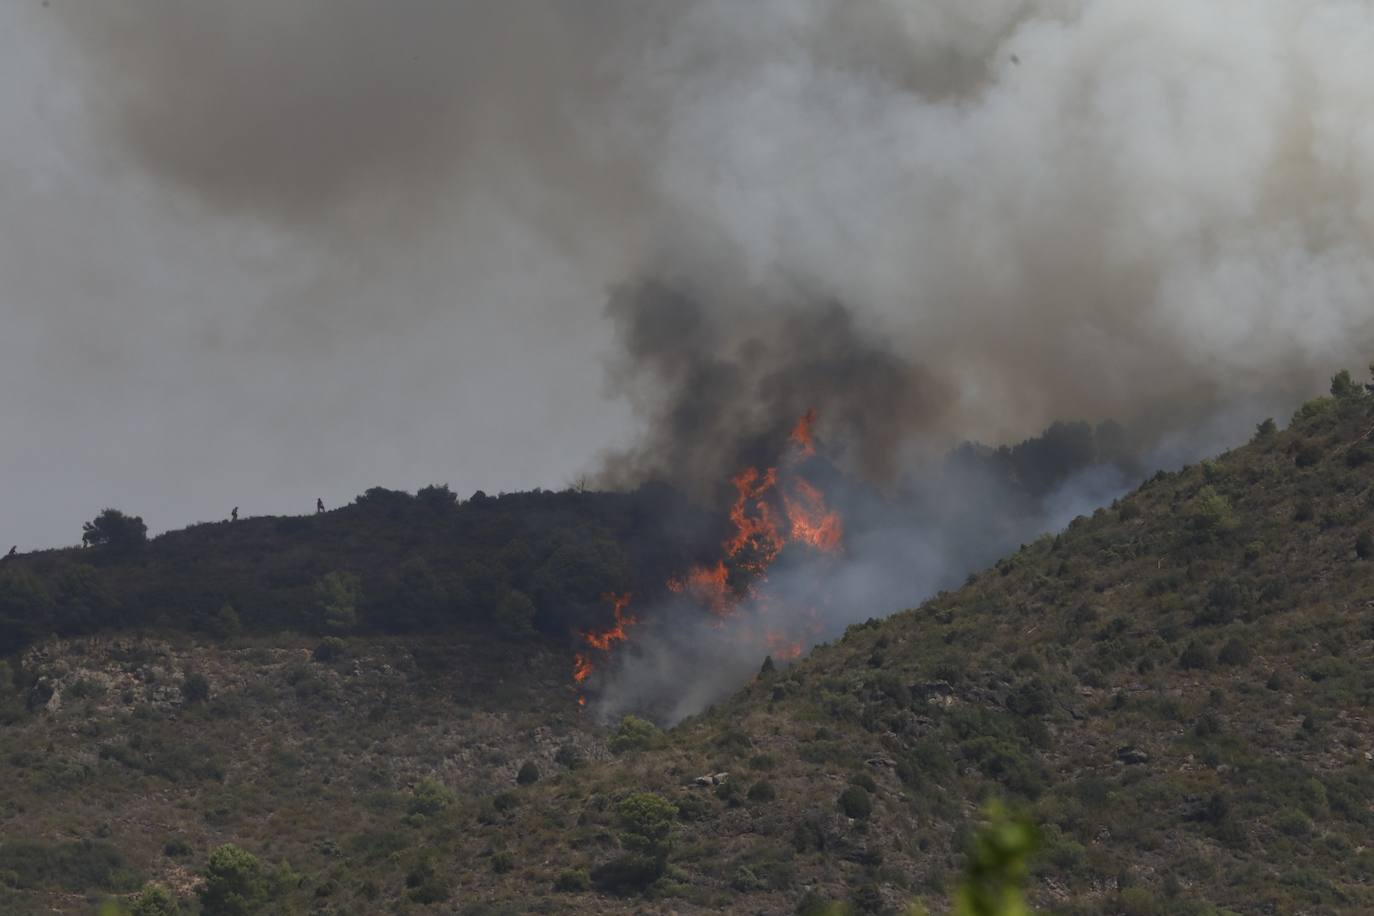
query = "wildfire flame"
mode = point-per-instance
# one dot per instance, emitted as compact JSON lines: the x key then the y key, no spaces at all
{"x":760,"y":534}
{"x":812,"y":523}
{"x":603,"y":640}
{"x":801,"y":435}
{"x":772,"y":508}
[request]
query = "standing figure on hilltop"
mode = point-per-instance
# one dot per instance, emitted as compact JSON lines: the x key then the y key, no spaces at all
{"x":319,"y":507}
{"x":234,"y":516}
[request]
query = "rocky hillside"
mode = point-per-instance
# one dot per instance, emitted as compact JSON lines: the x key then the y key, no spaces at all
{"x":1177,"y":690}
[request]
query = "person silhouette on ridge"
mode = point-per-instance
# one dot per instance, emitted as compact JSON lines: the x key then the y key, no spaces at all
{"x":319,"y":507}
{"x":234,"y":516}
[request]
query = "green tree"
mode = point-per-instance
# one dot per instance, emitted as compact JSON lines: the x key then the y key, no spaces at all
{"x":336,"y":601}
{"x":646,"y":826}
{"x":1344,"y":388}
{"x":112,"y":528}
{"x":235,"y":883}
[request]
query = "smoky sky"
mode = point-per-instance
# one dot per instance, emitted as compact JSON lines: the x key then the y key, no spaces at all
{"x":259,"y":252}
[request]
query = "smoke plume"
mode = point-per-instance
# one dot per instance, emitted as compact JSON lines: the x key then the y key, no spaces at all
{"x":1041,"y":208}
{"x":932,"y":222}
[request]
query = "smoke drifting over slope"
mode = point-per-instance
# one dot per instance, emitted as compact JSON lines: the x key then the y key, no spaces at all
{"x":931,"y":221}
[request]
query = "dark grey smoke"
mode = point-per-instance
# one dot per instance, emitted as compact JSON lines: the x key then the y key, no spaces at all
{"x":721,"y":387}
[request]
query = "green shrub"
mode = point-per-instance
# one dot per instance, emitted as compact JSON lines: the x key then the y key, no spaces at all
{"x":195,"y":688}
{"x":154,"y":901}
{"x":568,"y":756}
{"x":235,"y":883}
{"x":855,"y":802}
{"x":425,"y":885}
{"x":762,"y":791}
{"x":1195,"y":657}
{"x":863,"y":781}
{"x":528,"y":775}
{"x":1309,"y":455}
{"x":176,"y":848}
{"x":430,"y":798}
{"x":1364,"y":545}
{"x":1235,"y":652}
{"x":692,"y":807}
{"x":331,"y":648}
{"x":502,"y":862}
{"x":635,"y":734}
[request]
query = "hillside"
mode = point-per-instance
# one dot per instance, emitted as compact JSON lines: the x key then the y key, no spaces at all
{"x":521,"y":564}
{"x":1177,"y":689}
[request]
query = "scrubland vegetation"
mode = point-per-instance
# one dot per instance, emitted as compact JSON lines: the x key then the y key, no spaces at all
{"x":1175,"y":690}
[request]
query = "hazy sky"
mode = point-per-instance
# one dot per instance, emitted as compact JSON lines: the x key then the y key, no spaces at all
{"x":259,"y":252}
{"x":174,"y":356}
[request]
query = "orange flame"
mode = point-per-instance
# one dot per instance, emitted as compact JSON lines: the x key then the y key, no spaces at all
{"x":801,"y":435}
{"x":756,"y":531}
{"x":755,"y":545}
{"x":709,"y":585}
{"x":603,"y":640}
{"x":812,"y":522}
